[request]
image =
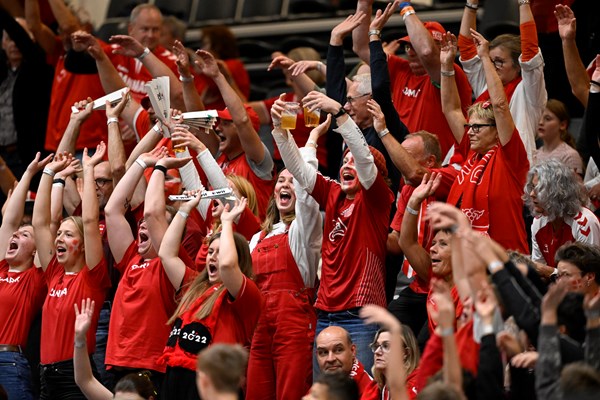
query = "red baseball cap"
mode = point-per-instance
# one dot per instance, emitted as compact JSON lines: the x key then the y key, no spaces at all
{"x":225,"y":114}
{"x":435,"y":29}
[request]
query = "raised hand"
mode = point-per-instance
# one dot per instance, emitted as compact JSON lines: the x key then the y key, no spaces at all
{"x":83,"y":318}
{"x":208,"y":66}
{"x":152,"y":157}
{"x":189,"y":205}
{"x":321,"y":129}
{"x":314,"y":100}
{"x":448,"y":50}
{"x":184,"y":138}
{"x":60,"y":161}
{"x":382,"y":17}
{"x":127,"y":46}
{"x":302,"y":66}
{"x":232,"y":214}
{"x":554,"y":296}
{"x":172,"y":162}
{"x":73,"y":168}
{"x":344,"y":28}
{"x":377,"y":114}
{"x":372,"y":314}
{"x":486,"y":303}
{"x":527,"y":360}
{"x":183,"y":59}
{"x":36,"y":165}
{"x":446,"y":216}
{"x":115,"y":112}
{"x":280,"y":61}
{"x":277,"y":109}
{"x":482,"y":45}
{"x":429,"y":184}
{"x":84,"y":41}
{"x":84,"y":110}
{"x":96,"y":158}
{"x":567,"y":24}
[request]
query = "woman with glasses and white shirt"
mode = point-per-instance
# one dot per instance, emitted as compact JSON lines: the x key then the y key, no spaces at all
{"x":489,"y":187}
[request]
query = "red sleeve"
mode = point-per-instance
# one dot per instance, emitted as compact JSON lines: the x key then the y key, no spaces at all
{"x":248,"y":224}
{"x":431,"y":362}
{"x":142,"y":123}
{"x":130,"y":253}
{"x":516,"y":156}
{"x":529,"y":41}
{"x":248,"y":306}
{"x":97,"y":277}
{"x":379,"y":192}
{"x":467,"y":48}
{"x":322,"y":189}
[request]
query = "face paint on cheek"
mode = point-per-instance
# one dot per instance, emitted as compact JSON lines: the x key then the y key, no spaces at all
{"x":577,"y":284}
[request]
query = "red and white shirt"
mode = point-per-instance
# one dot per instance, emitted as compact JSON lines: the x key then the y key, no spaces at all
{"x":545,"y":241}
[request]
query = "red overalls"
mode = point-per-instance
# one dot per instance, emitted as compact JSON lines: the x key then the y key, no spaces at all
{"x":280,"y":365}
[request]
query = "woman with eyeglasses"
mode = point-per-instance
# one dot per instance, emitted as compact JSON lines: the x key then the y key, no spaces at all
{"x":381,"y":348}
{"x":133,"y":386}
{"x":221,"y":304}
{"x":71,"y":256}
{"x":489,"y":186}
{"x":558,"y":201}
{"x":518,"y":62}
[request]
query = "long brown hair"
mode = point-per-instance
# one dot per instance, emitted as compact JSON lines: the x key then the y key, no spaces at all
{"x":201,"y":284}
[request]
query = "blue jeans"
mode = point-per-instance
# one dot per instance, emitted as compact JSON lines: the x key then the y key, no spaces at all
{"x":15,"y":376}
{"x":362,"y":335}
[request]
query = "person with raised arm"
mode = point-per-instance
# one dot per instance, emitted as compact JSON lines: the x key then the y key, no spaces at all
{"x":221,"y":304}
{"x":518,"y":63}
{"x":489,"y":186}
{"x":133,"y":384}
{"x":353,"y":254}
{"x":396,"y":354}
{"x":241,"y":151}
{"x":415,"y":80}
{"x":74,"y":267}
{"x":22,"y":287}
{"x":285,"y":255}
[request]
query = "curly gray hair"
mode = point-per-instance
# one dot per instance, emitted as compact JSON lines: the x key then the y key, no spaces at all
{"x":558,"y":190}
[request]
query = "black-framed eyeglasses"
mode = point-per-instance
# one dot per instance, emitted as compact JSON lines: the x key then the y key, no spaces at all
{"x":498,"y":62}
{"x":351,"y":99}
{"x":477,"y":127}
{"x":100,"y":182}
{"x":385,"y":347}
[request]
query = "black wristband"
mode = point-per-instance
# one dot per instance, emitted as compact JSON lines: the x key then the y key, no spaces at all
{"x":59,"y":180}
{"x":161,"y":168}
{"x":593,"y":82}
{"x":340,"y":113}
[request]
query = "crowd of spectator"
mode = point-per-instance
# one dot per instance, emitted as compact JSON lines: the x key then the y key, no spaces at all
{"x":144,"y":257}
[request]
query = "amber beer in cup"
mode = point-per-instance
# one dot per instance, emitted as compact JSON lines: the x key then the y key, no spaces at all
{"x":289,"y":115}
{"x":176,"y":142}
{"x":311,"y":118}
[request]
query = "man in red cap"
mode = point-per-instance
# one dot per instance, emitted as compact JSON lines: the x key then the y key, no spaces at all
{"x":241,"y":151}
{"x":415,"y":81}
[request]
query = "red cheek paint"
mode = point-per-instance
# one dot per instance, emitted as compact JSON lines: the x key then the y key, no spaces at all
{"x":76,"y":242}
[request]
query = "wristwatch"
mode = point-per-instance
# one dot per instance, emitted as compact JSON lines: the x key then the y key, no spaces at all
{"x":339,"y":113}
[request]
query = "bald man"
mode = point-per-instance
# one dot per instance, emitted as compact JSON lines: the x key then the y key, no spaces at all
{"x":337,"y":354}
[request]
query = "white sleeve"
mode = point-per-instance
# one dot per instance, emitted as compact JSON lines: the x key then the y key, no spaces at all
{"x":363,"y":159}
{"x":592,"y":176}
{"x":290,"y":154}
{"x":532,"y":72}
{"x":474,"y":70}
{"x":215,"y":177}
{"x":536,"y":254}
{"x":306,"y":231}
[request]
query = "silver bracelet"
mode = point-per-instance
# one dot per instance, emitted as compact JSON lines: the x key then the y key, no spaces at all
{"x":320,"y":66}
{"x":383,"y":133}
{"x":311,"y":142}
{"x":406,"y":14}
{"x":183,"y":214}
{"x":157,"y":129}
{"x":472,"y":6}
{"x":445,"y":332}
{"x":141,"y":163}
{"x":111,"y":120}
{"x":523,"y":2}
{"x":375,"y":32}
{"x":447,"y":73}
{"x":411,"y":210}
{"x":48,"y":171}
{"x":144,"y":54}
{"x":495,"y":266}
{"x":186,"y":78}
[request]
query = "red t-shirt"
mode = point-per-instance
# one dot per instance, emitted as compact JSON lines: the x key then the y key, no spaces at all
{"x":425,"y":232}
{"x":240,"y":166}
{"x":133,"y":71}
{"x":21,"y":297}
{"x":234,"y":322}
{"x":419,"y":103}
{"x":58,"y":315}
{"x":301,"y":133}
{"x":68,"y":88}
{"x":507,"y":180}
{"x":145,"y":298}
{"x":354,"y":244}
{"x":367,"y":387}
